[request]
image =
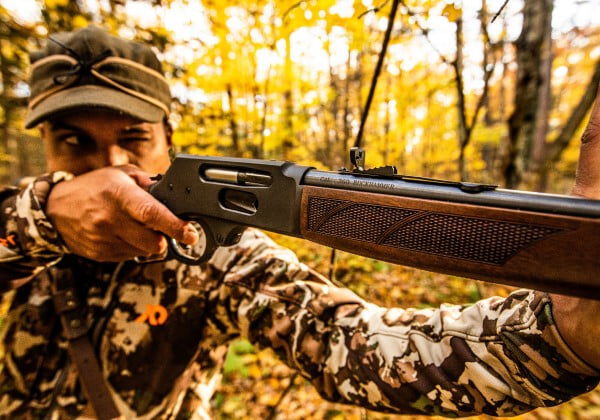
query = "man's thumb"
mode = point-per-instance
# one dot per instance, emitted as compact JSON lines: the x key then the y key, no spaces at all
{"x":592,"y":131}
{"x":140,"y":177}
{"x":587,"y":182}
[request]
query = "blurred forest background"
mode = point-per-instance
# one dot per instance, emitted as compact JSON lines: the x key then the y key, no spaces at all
{"x":460,"y":97}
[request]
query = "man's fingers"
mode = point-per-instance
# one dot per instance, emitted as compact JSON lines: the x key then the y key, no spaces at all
{"x":110,"y":251}
{"x":588,"y":169}
{"x":152,"y":214}
{"x":148,"y":241}
{"x":140,"y":177}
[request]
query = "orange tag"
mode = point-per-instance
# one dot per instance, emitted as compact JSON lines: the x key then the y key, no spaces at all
{"x":155,"y":315}
{"x":9,"y":240}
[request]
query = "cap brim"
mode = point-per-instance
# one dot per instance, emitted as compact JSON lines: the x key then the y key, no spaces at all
{"x":92,"y":96}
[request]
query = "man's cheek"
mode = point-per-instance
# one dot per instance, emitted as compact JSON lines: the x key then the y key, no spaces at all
{"x":157,"y":162}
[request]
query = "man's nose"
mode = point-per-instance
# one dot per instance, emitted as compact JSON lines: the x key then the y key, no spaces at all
{"x":114,"y":155}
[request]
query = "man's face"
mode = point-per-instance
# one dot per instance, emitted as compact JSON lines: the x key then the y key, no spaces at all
{"x":89,"y":140}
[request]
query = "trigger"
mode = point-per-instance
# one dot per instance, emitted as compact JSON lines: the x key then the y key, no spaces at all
{"x":177,"y":251}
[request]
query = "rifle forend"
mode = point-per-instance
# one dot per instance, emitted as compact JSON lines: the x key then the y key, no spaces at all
{"x":539,"y":241}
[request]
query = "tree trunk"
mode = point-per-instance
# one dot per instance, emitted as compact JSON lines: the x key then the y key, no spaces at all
{"x":8,"y":111}
{"x":489,"y":56}
{"x":334,"y":141}
{"x":556,"y":148}
{"x":359,"y":87}
{"x":263,"y":118}
{"x":347,"y":112}
{"x":466,"y":126}
{"x":529,"y":88}
{"x":502,"y":103}
{"x":463,"y":127}
{"x":233,"y":126}
{"x":387,"y":124}
{"x":288,"y":99}
{"x":533,"y":165}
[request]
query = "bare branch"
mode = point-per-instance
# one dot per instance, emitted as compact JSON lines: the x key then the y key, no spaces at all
{"x":377,"y":72}
{"x":577,"y":116}
{"x":488,"y":68}
{"x":374,"y":9}
{"x":486,"y":84}
{"x":424,"y":32}
{"x":291,"y":8}
{"x":499,"y":11}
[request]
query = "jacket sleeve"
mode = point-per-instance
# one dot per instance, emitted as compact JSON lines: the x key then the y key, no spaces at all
{"x":500,"y":356}
{"x":28,"y":241}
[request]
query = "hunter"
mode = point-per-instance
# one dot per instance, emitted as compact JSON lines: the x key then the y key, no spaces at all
{"x":91,"y":332}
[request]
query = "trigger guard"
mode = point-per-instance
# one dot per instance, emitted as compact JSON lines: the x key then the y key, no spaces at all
{"x":175,"y":252}
{"x":216,"y":232}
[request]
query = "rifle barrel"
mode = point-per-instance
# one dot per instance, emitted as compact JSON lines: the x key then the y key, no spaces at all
{"x":426,"y":189}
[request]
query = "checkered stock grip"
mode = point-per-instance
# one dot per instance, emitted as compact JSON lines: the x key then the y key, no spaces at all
{"x":508,"y":246}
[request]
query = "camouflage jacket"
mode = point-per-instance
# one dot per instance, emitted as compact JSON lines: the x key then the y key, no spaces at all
{"x":501,"y":356}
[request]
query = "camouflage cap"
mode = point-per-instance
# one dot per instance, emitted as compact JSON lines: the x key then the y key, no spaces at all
{"x":89,"y":68}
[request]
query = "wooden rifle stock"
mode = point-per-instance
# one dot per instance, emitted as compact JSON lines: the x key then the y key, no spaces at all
{"x":539,"y":241}
{"x":550,"y":252}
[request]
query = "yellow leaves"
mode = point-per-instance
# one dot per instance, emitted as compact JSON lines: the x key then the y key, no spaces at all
{"x":359,"y":9}
{"x":268,"y":399}
{"x":79,"y":22}
{"x":233,"y":407}
{"x":8,"y":51}
{"x":5,"y":157}
{"x":51,"y":4}
{"x":452,"y":13}
{"x":5,"y":302}
{"x":337,"y":416}
{"x":254,"y":371}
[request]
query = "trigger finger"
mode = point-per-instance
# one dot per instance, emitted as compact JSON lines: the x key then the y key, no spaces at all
{"x":115,"y":251}
{"x":148,"y":241}
{"x":154,"y":215}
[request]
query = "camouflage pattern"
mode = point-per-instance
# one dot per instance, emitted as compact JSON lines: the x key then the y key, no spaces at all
{"x":499,"y":356}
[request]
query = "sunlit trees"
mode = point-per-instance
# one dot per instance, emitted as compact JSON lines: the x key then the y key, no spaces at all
{"x":459,"y":97}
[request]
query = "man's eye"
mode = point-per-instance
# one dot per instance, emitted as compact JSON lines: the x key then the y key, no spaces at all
{"x":133,"y":142}
{"x":134,"y":139}
{"x":72,"y":140}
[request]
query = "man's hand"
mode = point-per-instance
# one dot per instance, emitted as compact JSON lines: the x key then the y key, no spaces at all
{"x":578,"y":319}
{"x":107,"y":215}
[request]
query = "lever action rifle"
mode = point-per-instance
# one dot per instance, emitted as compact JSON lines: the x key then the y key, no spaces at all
{"x":539,"y":241}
